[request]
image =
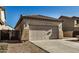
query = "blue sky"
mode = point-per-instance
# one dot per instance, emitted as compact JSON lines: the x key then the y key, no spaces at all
{"x":13,"y":12}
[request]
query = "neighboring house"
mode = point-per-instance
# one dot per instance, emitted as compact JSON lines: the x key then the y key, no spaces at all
{"x":39,"y":27}
{"x":3,"y":25}
{"x":6,"y":31}
{"x":70,"y":26}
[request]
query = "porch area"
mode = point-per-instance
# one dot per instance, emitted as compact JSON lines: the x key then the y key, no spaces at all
{"x":9,"y":36}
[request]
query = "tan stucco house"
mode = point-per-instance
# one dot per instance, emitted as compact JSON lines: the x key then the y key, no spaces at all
{"x":39,"y":27}
{"x":70,"y":26}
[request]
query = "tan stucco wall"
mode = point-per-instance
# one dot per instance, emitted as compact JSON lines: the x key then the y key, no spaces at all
{"x":2,"y":15}
{"x":43,"y":22}
{"x":20,"y":27}
{"x":25,"y":35}
{"x":67,"y":24}
{"x":61,"y":34}
{"x":60,"y":31}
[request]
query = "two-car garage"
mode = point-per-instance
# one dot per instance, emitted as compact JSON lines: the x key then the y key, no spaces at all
{"x":37,"y":32}
{"x":38,"y":27}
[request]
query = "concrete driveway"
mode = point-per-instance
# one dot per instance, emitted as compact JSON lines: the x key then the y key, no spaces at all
{"x":58,"y":46}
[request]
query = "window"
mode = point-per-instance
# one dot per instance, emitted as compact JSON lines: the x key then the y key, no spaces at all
{"x":77,"y":21}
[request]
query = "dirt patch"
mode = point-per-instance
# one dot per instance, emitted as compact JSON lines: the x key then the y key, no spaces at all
{"x":3,"y":48}
{"x":33,"y":48}
{"x":26,"y":47}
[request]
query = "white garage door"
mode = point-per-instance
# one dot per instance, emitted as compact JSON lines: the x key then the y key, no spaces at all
{"x":42,"y":32}
{"x":38,"y":35}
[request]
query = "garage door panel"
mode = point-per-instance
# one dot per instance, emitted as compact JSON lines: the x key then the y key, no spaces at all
{"x":38,"y":35}
{"x":41,"y":32}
